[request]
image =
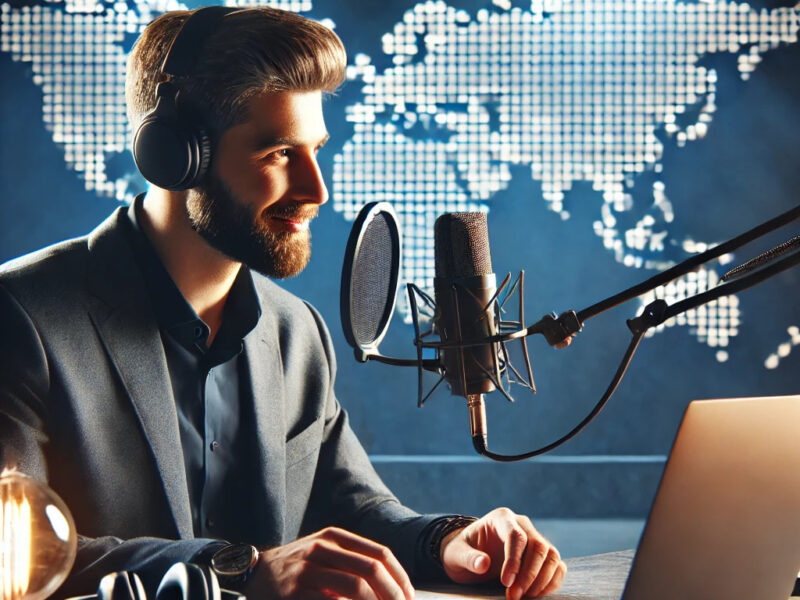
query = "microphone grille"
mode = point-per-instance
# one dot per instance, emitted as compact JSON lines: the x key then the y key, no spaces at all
{"x":461,"y":245}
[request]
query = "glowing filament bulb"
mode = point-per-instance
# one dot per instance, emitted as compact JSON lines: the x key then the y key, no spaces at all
{"x":15,"y":540}
{"x":37,"y":538}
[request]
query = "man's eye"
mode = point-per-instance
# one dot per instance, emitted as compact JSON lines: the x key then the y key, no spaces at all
{"x":277,"y":154}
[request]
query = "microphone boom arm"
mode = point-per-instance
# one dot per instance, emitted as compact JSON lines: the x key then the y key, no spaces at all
{"x":557,"y":329}
{"x":690,"y":264}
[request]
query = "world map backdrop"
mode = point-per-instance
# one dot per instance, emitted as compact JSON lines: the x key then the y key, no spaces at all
{"x":606,"y":140}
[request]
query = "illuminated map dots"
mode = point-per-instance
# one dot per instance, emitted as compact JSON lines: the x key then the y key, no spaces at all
{"x":77,"y":59}
{"x":784,"y":348}
{"x":571,"y":91}
{"x":293,"y":5}
{"x":574,"y":91}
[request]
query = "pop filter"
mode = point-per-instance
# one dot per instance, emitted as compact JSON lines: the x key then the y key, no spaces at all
{"x":370,"y":276}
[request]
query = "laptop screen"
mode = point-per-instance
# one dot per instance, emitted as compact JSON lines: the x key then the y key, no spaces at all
{"x":726,"y":520}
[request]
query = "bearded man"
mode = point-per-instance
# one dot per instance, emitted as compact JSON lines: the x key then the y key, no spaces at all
{"x":179,"y":401}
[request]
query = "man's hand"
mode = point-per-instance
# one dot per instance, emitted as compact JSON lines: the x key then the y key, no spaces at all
{"x":332,"y":563}
{"x":507,"y":545}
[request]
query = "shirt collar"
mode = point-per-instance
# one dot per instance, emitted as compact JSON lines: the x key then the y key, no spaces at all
{"x":174,"y":314}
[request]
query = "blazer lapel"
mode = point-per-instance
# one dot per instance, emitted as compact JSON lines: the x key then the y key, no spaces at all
{"x":127,"y":327}
{"x":266,"y":378}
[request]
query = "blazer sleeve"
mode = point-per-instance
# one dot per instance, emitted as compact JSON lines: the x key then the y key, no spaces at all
{"x":348,"y":493}
{"x":24,"y":390}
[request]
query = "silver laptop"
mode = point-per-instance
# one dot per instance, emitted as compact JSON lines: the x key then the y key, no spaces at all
{"x":725,"y":524}
{"x":726,"y":521}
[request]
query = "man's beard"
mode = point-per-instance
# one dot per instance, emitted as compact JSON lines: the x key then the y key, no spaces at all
{"x":242,"y":234}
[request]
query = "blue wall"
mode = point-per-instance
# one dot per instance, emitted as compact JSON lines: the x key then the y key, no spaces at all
{"x":743,"y":170}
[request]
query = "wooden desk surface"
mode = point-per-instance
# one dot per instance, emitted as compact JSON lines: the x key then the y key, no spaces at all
{"x":597,"y":577}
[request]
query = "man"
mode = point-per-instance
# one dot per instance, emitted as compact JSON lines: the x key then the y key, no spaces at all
{"x":179,"y":401}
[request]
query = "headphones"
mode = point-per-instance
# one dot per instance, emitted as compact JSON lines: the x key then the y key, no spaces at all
{"x":171,"y":147}
{"x":183,"y":581}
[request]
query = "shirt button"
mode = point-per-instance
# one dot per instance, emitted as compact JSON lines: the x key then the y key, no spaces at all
{"x":210,"y":523}
{"x":214,"y":446}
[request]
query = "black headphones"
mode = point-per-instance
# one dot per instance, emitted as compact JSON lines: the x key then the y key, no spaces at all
{"x":183,"y":581}
{"x":171,"y":147}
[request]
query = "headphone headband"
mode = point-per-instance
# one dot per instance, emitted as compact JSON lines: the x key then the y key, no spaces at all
{"x":182,"y":56}
{"x":172,"y":147}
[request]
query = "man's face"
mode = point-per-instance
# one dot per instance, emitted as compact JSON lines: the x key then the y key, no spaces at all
{"x":265,"y":185}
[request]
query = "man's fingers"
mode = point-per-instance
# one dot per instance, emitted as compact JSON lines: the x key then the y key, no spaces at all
{"x":331,"y":563}
{"x":565,"y":343}
{"x":556,"y":581}
{"x":479,"y":562}
{"x":332,"y":582}
{"x":364,"y":556}
{"x":516,"y":540}
{"x":545,"y":575}
{"x":464,"y":556}
{"x":328,"y":554}
{"x":536,"y":555}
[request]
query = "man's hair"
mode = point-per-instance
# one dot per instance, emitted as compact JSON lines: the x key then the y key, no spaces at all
{"x":252,"y":51}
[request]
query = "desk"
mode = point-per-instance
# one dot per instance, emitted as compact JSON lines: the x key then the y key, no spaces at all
{"x":597,"y":577}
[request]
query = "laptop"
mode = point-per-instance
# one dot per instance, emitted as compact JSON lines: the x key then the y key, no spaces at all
{"x":725,"y":524}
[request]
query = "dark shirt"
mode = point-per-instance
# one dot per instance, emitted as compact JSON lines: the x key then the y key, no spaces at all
{"x":209,"y":385}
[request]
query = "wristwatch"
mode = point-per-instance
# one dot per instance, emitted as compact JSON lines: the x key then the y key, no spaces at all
{"x":234,"y":564}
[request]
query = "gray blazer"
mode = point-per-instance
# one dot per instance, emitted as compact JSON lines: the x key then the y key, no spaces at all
{"x":86,"y":404}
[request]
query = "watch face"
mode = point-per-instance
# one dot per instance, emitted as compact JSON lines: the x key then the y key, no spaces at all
{"x":234,"y":560}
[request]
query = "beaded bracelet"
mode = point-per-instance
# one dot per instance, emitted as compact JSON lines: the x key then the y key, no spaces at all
{"x":451,"y":525}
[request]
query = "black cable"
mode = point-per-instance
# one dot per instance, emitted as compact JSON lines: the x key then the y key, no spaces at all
{"x":480,"y":444}
{"x":642,"y":324}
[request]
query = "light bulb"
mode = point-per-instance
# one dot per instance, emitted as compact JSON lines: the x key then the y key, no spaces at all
{"x":37,"y":538}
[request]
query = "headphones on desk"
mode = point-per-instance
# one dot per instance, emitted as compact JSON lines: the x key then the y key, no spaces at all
{"x":183,"y":581}
{"x":171,"y":146}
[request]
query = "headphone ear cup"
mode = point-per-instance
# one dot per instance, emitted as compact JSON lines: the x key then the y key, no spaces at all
{"x":187,"y":581}
{"x":169,"y":149}
{"x":121,"y":586}
{"x":202,"y":143}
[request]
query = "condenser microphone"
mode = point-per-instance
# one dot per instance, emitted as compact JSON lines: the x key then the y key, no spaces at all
{"x":471,"y":353}
{"x":466,"y":316}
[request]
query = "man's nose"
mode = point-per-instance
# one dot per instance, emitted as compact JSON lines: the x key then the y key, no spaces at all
{"x":309,"y":185}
